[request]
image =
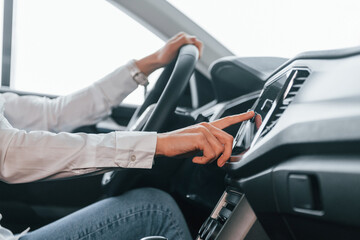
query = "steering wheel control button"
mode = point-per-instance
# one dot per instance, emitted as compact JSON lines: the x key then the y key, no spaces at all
{"x":133,"y":158}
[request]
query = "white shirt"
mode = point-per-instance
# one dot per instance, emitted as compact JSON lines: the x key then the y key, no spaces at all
{"x":35,"y":143}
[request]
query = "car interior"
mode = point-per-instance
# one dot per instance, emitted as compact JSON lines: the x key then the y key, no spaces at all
{"x":294,"y":172}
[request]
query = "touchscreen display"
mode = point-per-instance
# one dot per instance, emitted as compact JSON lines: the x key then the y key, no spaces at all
{"x":262,"y":106}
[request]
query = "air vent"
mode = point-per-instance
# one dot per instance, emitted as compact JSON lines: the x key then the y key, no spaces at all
{"x":296,"y":80}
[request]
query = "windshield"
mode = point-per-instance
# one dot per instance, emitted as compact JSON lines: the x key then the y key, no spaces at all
{"x":281,"y":28}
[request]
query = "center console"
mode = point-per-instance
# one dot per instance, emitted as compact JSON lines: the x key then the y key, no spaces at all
{"x":276,"y":95}
{"x":218,"y":226}
{"x":295,"y":167}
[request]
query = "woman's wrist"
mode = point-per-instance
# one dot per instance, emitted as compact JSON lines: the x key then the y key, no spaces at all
{"x":148,"y":64}
{"x":160,"y":145}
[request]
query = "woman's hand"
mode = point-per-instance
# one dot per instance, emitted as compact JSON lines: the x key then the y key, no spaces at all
{"x":166,"y":54}
{"x":206,"y":137}
{"x":171,"y":48}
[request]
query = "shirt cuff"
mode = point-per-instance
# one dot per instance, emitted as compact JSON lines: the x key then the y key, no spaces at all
{"x":135,"y":149}
{"x":116,"y":85}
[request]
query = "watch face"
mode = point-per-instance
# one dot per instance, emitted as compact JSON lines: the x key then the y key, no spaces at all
{"x":141,"y":79}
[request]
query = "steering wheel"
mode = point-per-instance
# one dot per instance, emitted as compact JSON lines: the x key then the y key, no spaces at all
{"x":160,"y":102}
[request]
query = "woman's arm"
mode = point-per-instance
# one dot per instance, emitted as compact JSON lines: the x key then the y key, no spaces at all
{"x":30,"y":156}
{"x":91,"y":104}
{"x":65,"y":113}
{"x":40,"y":155}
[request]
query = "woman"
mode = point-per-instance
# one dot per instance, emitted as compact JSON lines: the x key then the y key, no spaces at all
{"x":35,"y":145}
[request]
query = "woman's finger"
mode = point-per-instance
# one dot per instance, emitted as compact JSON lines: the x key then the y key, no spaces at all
{"x":225,"y":139}
{"x":231,"y":120}
{"x":204,"y":146}
{"x":215,"y":144}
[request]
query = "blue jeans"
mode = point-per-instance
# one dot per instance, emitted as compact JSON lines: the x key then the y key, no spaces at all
{"x":133,"y":215}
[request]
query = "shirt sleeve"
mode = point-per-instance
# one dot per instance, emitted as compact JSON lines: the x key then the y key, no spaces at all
{"x":38,"y":155}
{"x":30,"y":152}
{"x":65,"y":113}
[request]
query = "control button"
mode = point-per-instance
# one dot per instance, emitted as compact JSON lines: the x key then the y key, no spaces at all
{"x":232,"y":198}
{"x":214,"y":231}
{"x":224,"y":213}
{"x":212,"y":223}
{"x":133,"y":157}
{"x":301,"y":192}
{"x":266,"y":105}
{"x":204,"y":226}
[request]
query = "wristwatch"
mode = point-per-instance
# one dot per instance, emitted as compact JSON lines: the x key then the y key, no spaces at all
{"x":138,"y":76}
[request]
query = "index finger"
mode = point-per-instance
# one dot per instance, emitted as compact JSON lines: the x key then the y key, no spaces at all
{"x":230,"y":120}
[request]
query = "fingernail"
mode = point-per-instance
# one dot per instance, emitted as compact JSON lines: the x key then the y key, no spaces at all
{"x":222,"y":164}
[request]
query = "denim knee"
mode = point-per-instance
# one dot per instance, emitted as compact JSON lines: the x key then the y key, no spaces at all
{"x":133,"y":215}
{"x":151,"y":196}
{"x":159,"y":202}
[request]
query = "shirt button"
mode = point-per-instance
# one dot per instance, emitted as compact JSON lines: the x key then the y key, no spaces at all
{"x":133,"y":158}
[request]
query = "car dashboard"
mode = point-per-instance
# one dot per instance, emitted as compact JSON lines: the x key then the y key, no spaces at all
{"x":295,"y":168}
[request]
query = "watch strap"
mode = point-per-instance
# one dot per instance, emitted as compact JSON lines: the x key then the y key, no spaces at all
{"x":138,"y":76}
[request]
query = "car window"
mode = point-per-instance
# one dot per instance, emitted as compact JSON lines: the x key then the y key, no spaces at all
{"x":281,"y":28}
{"x":61,"y":46}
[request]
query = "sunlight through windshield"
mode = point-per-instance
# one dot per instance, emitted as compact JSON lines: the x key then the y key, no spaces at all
{"x":278,"y":27}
